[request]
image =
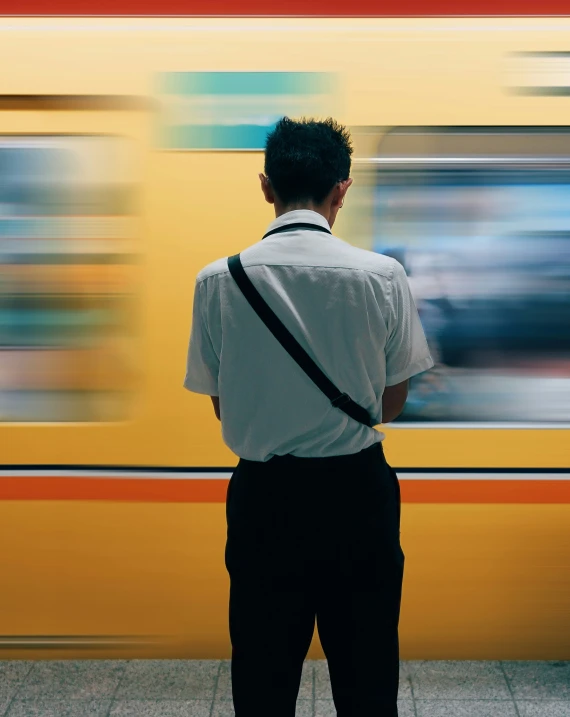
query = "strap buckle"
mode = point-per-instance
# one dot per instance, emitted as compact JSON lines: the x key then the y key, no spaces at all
{"x":341,"y":400}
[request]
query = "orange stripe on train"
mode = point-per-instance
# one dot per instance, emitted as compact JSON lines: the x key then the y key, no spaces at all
{"x":214,"y":491}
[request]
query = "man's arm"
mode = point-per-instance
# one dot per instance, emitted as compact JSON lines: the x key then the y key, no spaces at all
{"x":216,"y":402}
{"x":407,"y":351}
{"x":393,"y":401}
{"x":203,"y":364}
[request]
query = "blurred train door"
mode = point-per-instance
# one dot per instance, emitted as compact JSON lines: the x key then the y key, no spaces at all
{"x":480,"y":218}
{"x":72,"y":238}
{"x":70,"y":246}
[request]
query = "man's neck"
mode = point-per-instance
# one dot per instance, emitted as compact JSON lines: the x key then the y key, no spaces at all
{"x":280,"y":210}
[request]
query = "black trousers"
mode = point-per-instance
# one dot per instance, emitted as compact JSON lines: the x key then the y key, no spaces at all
{"x":315,"y":537}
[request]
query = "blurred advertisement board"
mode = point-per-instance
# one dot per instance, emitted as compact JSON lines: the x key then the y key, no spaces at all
{"x":235,"y":110}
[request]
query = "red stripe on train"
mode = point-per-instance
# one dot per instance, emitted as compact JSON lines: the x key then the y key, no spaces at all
{"x":320,"y":8}
{"x":165,"y":490}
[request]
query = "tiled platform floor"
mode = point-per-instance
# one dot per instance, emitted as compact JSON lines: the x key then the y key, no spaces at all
{"x":201,"y":688}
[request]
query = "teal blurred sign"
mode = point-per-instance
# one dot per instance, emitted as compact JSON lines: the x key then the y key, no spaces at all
{"x":236,"y":110}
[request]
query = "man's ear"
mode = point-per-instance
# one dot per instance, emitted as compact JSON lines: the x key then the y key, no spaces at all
{"x":344,"y":187}
{"x":340,"y":191}
{"x":267,"y":189}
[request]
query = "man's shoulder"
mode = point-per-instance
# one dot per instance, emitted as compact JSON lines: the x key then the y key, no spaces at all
{"x":214,"y":269}
{"x":366,"y":260}
{"x":343,"y":255}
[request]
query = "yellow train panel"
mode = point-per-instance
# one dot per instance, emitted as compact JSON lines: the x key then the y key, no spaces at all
{"x":484,"y":579}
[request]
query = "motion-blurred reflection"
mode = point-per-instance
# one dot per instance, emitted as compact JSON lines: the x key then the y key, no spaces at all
{"x":483,"y":231}
{"x":66,"y":278}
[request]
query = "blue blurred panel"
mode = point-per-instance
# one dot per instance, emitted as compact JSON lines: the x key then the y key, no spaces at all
{"x":235,"y":110}
{"x":222,"y":137}
{"x":488,"y":258}
{"x":64,"y":202}
{"x":244,"y":83}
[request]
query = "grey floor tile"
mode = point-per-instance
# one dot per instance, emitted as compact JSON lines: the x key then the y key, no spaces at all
{"x":223,"y":709}
{"x":405,"y":689}
{"x":306,"y":686}
{"x":465,"y":708}
{"x":224,"y":690}
{"x":12,"y":674}
{"x":543,"y":680}
{"x":458,"y":680}
{"x":322,"y":681}
{"x":67,"y":679}
{"x":323,"y":689}
{"x":406,"y":708}
{"x":161,"y":708}
{"x":543,"y":708}
{"x":304,"y":709}
{"x":169,"y":679}
{"x":59,"y":708}
{"x":326,"y":708}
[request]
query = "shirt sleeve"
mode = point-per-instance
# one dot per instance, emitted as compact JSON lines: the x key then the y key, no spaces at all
{"x":407,"y":351}
{"x":203,"y":364}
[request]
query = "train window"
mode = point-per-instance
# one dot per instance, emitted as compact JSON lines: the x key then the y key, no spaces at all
{"x":480,"y":218}
{"x":67,"y":257}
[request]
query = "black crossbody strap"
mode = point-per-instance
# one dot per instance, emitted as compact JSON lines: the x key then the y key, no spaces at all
{"x":298,"y":225}
{"x":293,"y":347}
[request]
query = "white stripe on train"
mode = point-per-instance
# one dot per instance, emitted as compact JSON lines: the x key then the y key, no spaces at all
{"x":117,"y":474}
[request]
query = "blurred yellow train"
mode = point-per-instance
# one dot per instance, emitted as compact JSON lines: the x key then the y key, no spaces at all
{"x":125,"y":168}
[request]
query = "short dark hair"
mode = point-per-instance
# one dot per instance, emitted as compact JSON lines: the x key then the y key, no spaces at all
{"x":304,"y":159}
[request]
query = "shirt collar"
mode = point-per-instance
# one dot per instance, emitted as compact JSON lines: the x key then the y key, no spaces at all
{"x":304,"y":216}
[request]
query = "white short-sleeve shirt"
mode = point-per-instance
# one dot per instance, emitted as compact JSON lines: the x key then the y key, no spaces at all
{"x":351,"y":310}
